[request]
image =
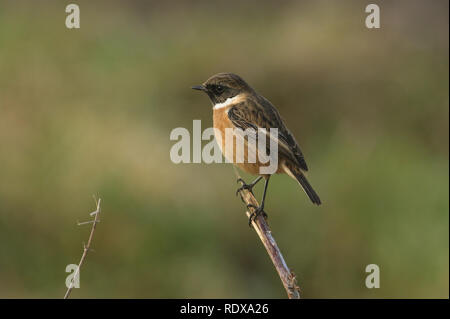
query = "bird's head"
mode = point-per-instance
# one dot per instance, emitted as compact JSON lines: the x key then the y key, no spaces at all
{"x":223,"y":86}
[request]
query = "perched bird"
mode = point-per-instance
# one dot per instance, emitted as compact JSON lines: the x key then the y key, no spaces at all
{"x":237,"y":105}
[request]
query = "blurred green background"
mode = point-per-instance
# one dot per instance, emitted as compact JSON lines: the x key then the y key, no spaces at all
{"x":89,"y":111}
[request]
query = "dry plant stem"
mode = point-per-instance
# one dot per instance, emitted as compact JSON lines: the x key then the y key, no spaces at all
{"x":86,"y":247}
{"x":265,"y":235}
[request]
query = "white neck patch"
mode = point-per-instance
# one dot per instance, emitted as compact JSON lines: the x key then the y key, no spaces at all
{"x":228,"y":102}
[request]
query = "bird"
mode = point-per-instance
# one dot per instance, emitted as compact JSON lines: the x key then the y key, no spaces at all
{"x":236,"y":105}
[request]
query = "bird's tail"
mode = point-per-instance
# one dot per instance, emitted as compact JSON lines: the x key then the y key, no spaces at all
{"x":301,"y":178}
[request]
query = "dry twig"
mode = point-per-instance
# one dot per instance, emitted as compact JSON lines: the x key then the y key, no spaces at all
{"x":86,"y":248}
{"x":265,"y":235}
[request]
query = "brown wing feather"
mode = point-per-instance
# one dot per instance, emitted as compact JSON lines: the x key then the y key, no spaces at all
{"x":251,"y":114}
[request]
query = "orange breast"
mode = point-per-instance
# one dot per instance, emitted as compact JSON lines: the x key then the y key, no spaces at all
{"x":221,"y":122}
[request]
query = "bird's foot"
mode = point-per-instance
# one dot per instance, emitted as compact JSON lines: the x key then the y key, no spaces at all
{"x":256,"y":212}
{"x":246,"y":186}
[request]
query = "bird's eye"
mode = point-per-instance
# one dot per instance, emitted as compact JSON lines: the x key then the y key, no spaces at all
{"x":220,"y":89}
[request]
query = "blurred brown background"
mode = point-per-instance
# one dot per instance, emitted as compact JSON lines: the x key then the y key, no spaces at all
{"x":89,"y":111}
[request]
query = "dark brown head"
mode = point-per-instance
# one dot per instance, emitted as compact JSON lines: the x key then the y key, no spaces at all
{"x":222,"y":86}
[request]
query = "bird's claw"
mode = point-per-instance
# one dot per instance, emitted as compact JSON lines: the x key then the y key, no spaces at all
{"x":256,"y":212}
{"x":246,"y":186}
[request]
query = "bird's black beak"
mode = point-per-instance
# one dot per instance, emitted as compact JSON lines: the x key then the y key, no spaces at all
{"x":200,"y":88}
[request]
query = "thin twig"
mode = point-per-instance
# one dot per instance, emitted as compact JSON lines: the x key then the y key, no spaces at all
{"x":265,"y":235}
{"x":86,"y":248}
